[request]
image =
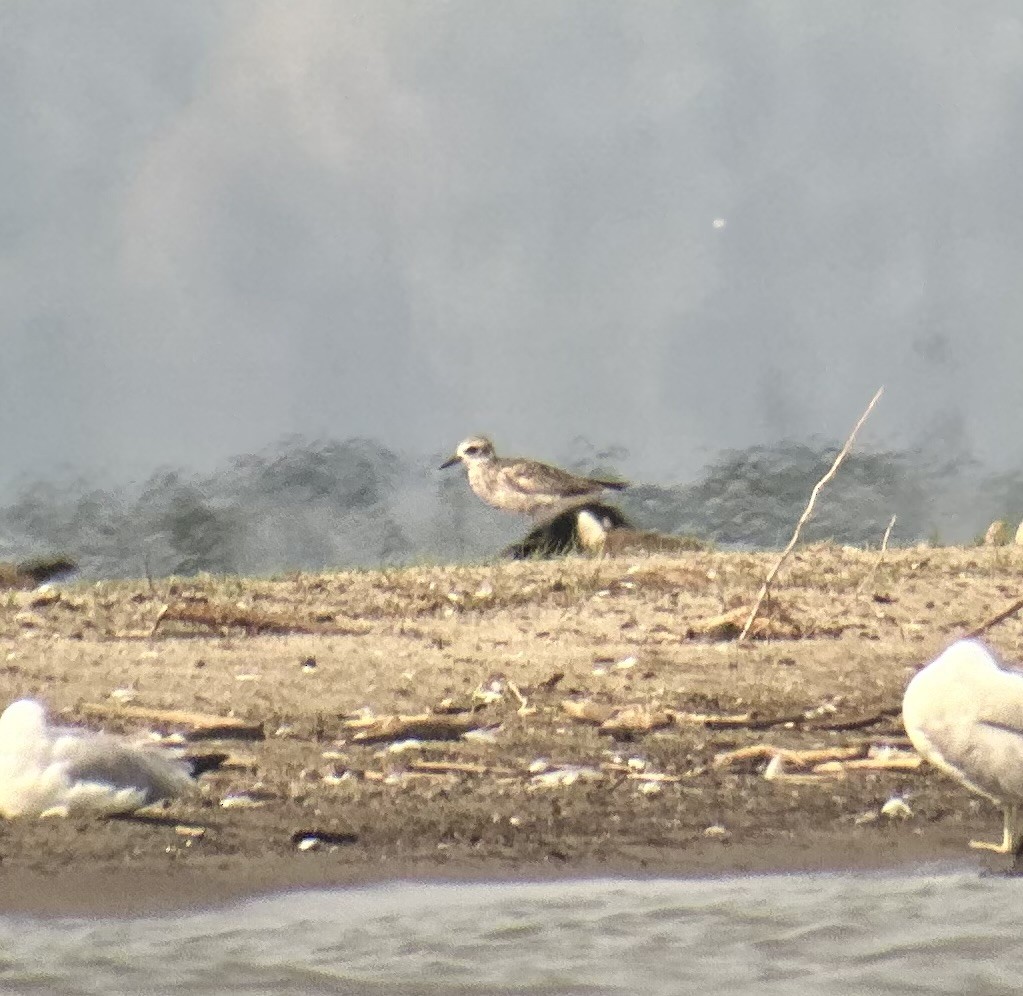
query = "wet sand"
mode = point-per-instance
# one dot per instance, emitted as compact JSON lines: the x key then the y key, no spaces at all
{"x":535,"y":791}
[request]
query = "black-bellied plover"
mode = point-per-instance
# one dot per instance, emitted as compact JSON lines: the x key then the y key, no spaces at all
{"x":518,"y":485}
{"x":964,"y":714}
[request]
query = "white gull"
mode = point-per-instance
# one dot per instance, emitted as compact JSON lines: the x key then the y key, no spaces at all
{"x":54,"y":771}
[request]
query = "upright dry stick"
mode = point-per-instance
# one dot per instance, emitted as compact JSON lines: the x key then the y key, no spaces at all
{"x":861,"y":587}
{"x":807,"y":512}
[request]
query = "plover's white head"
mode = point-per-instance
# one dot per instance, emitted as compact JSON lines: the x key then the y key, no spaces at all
{"x":475,"y":449}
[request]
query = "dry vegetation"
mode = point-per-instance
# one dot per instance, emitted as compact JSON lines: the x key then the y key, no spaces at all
{"x":500,"y":719}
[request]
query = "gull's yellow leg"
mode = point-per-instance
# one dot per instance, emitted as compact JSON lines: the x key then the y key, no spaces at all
{"x":1012,"y":835}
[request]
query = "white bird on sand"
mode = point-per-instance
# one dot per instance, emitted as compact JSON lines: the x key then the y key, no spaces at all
{"x":52,"y":771}
{"x":964,"y":713}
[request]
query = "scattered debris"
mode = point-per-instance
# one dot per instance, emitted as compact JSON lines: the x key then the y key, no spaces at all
{"x":784,"y":756}
{"x":221,"y":616}
{"x":777,"y":625}
{"x":201,"y":764}
{"x":490,"y":691}
{"x":193,"y":833}
{"x":896,"y":809}
{"x":483,"y":734}
{"x":525,"y":709}
{"x":427,"y":726}
{"x":200,"y":726}
{"x":308,"y":840}
{"x":890,"y":760}
{"x":564,"y":776}
{"x":587,"y":711}
{"x":635,"y":719}
{"x":241,"y":800}
{"x":551,"y":681}
{"x":460,"y":768}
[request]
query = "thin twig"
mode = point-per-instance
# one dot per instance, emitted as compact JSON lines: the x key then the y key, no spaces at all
{"x":877,"y":563}
{"x":807,"y":512}
{"x":994,"y":620}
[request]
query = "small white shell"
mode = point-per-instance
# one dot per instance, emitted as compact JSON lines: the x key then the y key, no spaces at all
{"x":896,"y":809}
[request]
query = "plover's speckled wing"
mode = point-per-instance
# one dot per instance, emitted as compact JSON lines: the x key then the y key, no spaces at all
{"x":530,"y":477}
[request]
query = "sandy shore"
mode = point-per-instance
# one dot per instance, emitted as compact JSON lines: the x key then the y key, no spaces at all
{"x":610,"y":729}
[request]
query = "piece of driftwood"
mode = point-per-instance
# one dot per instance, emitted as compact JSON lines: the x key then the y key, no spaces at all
{"x":902,"y":761}
{"x":426,"y":726}
{"x":745,"y":720}
{"x":854,"y":722}
{"x":635,"y":719}
{"x":551,"y":681}
{"x":641,"y":776}
{"x":216,"y":615}
{"x":199,"y":726}
{"x":461,"y":768}
{"x":994,"y":620}
{"x":796,"y":758}
{"x":587,"y":711}
{"x":803,"y":719}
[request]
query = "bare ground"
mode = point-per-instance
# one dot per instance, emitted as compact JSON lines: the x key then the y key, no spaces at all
{"x":537,"y":791}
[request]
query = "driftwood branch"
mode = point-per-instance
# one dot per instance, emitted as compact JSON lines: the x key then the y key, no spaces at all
{"x":427,"y":726}
{"x":756,"y":721}
{"x":200,"y":726}
{"x":855,"y":722}
{"x":220,"y":616}
{"x":994,"y":620}
{"x":807,"y":512}
{"x":796,"y":758}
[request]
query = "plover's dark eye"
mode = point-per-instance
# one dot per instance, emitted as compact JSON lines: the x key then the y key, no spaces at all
{"x":472,"y":450}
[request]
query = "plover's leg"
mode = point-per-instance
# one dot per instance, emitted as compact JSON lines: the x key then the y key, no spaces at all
{"x":1012,"y":835}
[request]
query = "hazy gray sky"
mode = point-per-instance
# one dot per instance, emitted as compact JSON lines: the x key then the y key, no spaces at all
{"x":221,"y":222}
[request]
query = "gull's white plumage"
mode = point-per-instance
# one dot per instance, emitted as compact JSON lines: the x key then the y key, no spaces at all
{"x":47,"y":771}
{"x":964,"y":714}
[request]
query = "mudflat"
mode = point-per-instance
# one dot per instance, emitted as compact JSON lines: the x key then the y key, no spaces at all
{"x":509,"y":720}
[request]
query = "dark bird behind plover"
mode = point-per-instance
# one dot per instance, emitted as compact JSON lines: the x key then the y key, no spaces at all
{"x":596,"y":528}
{"x":32,"y":573}
{"x":601,"y":535}
{"x":518,"y":485}
{"x":558,"y":535}
{"x":964,"y":714}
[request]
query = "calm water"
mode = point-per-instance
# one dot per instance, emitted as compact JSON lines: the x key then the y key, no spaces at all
{"x":946,"y":933}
